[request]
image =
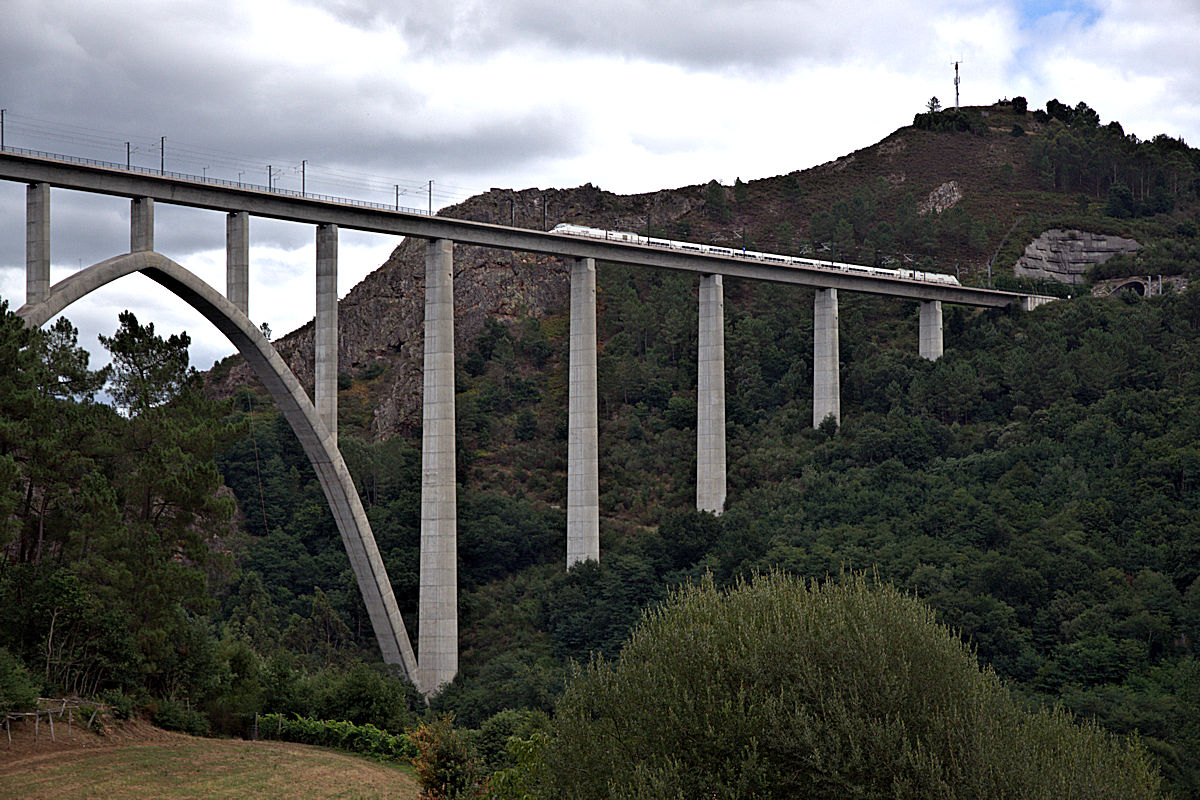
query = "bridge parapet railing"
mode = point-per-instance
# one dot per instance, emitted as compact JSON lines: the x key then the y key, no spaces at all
{"x":183,"y":176}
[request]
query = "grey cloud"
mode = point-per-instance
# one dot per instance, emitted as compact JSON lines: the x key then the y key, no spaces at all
{"x":173,"y":78}
{"x":749,"y":35}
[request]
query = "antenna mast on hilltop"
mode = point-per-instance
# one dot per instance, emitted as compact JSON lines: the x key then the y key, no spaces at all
{"x":956,"y":63}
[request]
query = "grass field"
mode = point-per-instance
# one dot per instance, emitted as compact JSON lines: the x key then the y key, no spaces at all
{"x":176,"y":766}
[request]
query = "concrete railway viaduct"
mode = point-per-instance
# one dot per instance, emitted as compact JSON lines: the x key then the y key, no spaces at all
{"x":315,"y":422}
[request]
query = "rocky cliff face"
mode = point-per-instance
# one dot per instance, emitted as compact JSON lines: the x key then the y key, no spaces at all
{"x":381,"y":320}
{"x":1066,"y":255}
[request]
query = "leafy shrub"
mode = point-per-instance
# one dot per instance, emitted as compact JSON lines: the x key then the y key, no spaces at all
{"x":782,"y":688}
{"x":951,"y":120}
{"x":491,"y":740}
{"x":364,"y":694}
{"x":365,"y":739}
{"x":371,"y":371}
{"x":18,"y":689}
{"x":526,"y":427}
{"x":445,"y":766}
{"x":172,"y":715}
{"x":120,"y":703}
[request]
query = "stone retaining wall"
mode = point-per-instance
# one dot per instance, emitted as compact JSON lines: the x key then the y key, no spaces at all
{"x":1065,"y":255}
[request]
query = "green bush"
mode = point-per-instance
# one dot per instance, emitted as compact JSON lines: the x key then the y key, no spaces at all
{"x":491,"y":740}
{"x":951,"y":120}
{"x":782,"y":688}
{"x":365,"y":739}
{"x":445,"y":765}
{"x":172,"y":715}
{"x":120,"y":703}
{"x":18,"y":690}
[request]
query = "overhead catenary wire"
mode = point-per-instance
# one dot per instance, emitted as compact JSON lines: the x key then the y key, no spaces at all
{"x":187,"y":157}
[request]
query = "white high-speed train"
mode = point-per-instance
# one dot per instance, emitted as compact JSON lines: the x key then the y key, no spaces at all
{"x":633,"y":238}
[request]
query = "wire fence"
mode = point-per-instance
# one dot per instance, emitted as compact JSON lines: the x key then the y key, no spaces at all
{"x":349,"y":179}
{"x":49,"y":707}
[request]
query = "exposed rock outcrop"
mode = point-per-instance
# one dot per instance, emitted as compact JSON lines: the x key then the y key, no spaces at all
{"x":1066,"y":255}
{"x":941,"y":198}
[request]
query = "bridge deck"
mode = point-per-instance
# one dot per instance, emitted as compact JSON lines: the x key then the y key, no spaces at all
{"x":198,"y":193}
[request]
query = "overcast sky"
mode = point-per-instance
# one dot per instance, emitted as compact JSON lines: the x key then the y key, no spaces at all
{"x":631,"y":96}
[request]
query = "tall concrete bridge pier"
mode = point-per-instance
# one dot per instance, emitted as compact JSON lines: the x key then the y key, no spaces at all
{"x":315,"y":421}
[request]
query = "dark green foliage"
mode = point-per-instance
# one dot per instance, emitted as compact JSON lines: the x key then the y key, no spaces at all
{"x":119,"y":703}
{"x":172,"y":715}
{"x":951,"y":120}
{"x":592,"y":606}
{"x":365,"y":739}
{"x":740,"y":194}
{"x":18,"y":689}
{"x":445,"y":765}
{"x":526,"y":427}
{"x":108,"y":521}
{"x":147,"y":369}
{"x":1020,"y":104}
{"x":519,"y":679}
{"x":491,"y":740}
{"x":1120,"y":201}
{"x":715,"y":204}
{"x":1136,"y":178}
{"x":779,"y":688}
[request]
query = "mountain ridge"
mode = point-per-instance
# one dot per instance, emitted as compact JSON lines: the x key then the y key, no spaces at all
{"x":947,"y":200}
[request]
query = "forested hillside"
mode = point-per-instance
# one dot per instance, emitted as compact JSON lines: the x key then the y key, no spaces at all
{"x":1038,"y":486}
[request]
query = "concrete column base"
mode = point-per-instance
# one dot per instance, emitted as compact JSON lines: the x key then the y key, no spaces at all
{"x":583,"y":470}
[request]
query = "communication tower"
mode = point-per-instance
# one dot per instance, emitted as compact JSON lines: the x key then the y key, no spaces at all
{"x":956,"y":63}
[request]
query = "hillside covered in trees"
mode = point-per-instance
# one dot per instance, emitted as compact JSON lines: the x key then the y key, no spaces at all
{"x":1038,"y":486}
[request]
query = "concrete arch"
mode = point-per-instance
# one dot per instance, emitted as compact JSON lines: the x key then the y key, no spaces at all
{"x":1134,"y":286}
{"x":290,"y":396}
